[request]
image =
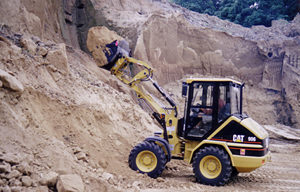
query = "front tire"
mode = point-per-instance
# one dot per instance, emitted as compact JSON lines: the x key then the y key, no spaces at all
{"x":149,"y":158}
{"x":212,"y":166}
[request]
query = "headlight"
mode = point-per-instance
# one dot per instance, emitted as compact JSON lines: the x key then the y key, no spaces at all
{"x":267,"y":142}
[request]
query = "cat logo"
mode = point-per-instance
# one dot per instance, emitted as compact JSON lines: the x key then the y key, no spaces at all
{"x":238,"y":138}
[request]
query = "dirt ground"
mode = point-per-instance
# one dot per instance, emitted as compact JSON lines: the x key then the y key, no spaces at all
{"x":282,"y":174}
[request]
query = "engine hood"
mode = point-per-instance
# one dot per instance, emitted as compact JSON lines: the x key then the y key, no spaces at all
{"x":255,"y":128}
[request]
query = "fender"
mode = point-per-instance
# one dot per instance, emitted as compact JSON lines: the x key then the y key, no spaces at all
{"x":163,"y":142}
{"x":210,"y":142}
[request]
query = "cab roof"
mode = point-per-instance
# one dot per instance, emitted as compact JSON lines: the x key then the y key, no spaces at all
{"x":190,"y":80}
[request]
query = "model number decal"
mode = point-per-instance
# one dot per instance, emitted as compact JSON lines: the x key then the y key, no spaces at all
{"x":238,"y":138}
{"x":251,"y":138}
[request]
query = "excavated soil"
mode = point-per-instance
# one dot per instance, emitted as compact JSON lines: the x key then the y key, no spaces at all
{"x":282,"y":174}
{"x":72,"y":117}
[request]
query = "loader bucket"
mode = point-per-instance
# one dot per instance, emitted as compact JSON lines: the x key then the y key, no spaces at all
{"x":114,"y":50}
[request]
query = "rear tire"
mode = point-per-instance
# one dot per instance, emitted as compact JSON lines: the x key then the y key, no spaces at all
{"x":212,"y":166}
{"x":149,"y":158}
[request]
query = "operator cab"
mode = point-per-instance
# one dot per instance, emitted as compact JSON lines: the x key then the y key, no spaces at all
{"x":209,"y":102}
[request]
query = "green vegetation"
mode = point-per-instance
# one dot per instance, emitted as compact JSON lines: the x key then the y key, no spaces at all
{"x":245,"y":12}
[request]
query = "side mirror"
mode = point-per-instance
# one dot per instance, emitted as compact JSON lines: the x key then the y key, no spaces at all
{"x":184,"y":89}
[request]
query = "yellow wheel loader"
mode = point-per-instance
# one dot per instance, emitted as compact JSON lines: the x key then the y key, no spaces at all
{"x":214,"y":134}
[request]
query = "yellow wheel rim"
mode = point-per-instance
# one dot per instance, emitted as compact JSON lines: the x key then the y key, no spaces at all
{"x":146,"y":161}
{"x":210,"y":167}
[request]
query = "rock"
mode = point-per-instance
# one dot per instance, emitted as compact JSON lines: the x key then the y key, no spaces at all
{"x":70,"y":183}
{"x":24,"y":168}
{"x":15,"y":182}
{"x":2,"y":94}
{"x":26,"y":181}
{"x":63,"y":167}
{"x":11,"y":158}
{"x":16,"y":189}
{"x":42,"y":51}
{"x":5,"y":189}
{"x":13,"y":174}
{"x":160,"y":180}
{"x":76,"y":150}
{"x":5,"y":167}
{"x":49,"y":179}
{"x":1,"y":84}
{"x":57,"y":57}
{"x":2,"y":182}
{"x":29,"y":45}
{"x":97,"y":38}
{"x":68,"y":6}
{"x":81,"y":156}
{"x":36,"y":39}
{"x":2,"y":176}
{"x":136,"y":184}
{"x":41,"y":189}
{"x":32,"y":21}
{"x":10,"y":82}
{"x":103,"y":163}
{"x":107,"y":176}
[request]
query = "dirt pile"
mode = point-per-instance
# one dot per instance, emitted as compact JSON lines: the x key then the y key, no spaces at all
{"x":68,"y":119}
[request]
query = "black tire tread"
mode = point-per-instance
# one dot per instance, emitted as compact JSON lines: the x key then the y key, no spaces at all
{"x":225,"y":174}
{"x":156,"y":149}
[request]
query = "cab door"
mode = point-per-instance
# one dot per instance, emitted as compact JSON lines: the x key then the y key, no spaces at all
{"x":200,"y":113}
{"x":207,"y":108}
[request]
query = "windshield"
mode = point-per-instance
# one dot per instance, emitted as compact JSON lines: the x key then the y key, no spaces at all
{"x":235,"y":91}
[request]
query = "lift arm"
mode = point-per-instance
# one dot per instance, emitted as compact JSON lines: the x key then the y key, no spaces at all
{"x":124,"y":63}
{"x":133,"y":72}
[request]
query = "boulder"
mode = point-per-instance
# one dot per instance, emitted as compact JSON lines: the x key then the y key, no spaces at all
{"x":57,"y":57}
{"x":70,"y":183}
{"x":97,"y":38}
{"x":10,"y":81}
{"x":49,"y":179}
